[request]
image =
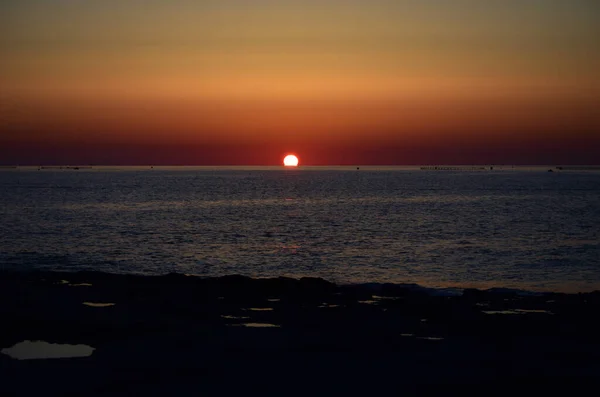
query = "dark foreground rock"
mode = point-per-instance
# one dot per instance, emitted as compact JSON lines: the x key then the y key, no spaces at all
{"x":179,"y":335}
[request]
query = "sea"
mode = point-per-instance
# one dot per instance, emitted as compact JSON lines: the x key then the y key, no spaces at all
{"x":442,"y":228}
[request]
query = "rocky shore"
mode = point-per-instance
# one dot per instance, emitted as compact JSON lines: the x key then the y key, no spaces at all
{"x":185,"y":335}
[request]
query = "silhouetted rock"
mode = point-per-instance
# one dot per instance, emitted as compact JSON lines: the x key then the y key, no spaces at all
{"x":186,"y":335}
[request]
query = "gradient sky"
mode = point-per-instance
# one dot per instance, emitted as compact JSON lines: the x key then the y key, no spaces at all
{"x":335,"y":81}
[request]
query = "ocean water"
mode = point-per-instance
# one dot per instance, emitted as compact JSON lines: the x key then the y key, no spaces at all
{"x":514,"y":228}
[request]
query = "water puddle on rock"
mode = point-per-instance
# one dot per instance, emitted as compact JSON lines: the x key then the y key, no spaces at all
{"x":381,"y":298}
{"x":256,"y":325}
{"x":228,"y":317}
{"x":66,"y":282}
{"x":533,"y":311}
{"x":517,"y":311}
{"x":98,"y":304}
{"x":36,"y":350}
{"x":368,"y":302}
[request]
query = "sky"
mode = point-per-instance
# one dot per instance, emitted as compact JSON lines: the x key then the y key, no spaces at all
{"x":335,"y":81}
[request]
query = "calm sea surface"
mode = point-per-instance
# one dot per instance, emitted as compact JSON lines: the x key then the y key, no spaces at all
{"x":515,"y":228}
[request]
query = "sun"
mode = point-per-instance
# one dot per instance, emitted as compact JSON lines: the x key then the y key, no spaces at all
{"x":290,"y":161}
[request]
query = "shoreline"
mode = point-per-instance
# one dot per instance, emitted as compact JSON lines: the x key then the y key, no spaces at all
{"x":449,"y":289}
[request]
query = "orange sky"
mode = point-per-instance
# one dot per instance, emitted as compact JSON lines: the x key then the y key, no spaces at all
{"x":338,"y":82}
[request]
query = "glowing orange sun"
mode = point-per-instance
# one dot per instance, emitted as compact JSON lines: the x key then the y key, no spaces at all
{"x":290,"y":161}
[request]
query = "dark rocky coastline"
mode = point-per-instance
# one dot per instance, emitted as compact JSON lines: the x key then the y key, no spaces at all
{"x":181,"y":335}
